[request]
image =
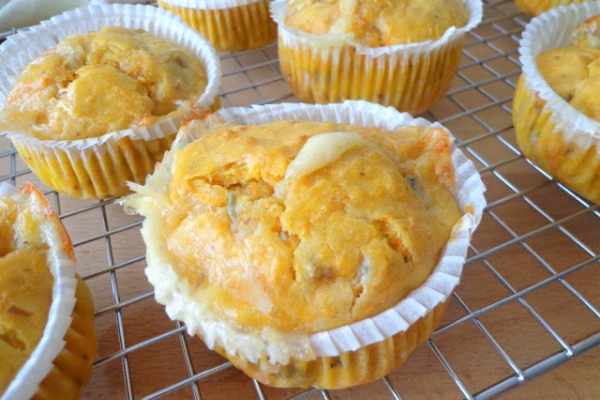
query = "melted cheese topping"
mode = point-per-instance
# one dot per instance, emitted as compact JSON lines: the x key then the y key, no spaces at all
{"x":360,"y":223}
{"x":319,"y":151}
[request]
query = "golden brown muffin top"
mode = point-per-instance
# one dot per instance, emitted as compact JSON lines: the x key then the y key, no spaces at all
{"x":100,"y":82}
{"x":376,"y":23}
{"x":573,"y":71}
{"x":304,"y":226}
{"x":25,"y":287}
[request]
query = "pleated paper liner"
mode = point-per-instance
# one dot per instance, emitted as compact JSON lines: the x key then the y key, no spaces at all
{"x":330,"y":69}
{"x":98,"y":168}
{"x":561,"y":140}
{"x":230,"y":25}
{"x":61,"y":364}
{"x":340,"y":357}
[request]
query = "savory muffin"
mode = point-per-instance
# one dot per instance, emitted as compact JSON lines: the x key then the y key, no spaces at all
{"x":98,"y":82}
{"x":93,"y":109}
{"x":555,"y":111}
{"x":230,"y":25}
{"x":266,"y":235}
{"x":402,"y":53}
{"x":39,"y":287}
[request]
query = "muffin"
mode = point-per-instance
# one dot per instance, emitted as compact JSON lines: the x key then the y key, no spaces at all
{"x":401,"y":53}
{"x":48,"y":340}
{"x":536,"y":7}
{"x":99,"y":94}
{"x":230,"y":25}
{"x":555,"y":108}
{"x":310,"y":245}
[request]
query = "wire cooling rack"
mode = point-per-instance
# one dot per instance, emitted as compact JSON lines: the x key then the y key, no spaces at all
{"x":528,"y":303}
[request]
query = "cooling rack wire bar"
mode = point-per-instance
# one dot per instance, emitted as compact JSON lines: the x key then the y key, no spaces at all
{"x":528,"y":303}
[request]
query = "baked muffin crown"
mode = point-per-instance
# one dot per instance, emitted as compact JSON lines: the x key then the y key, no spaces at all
{"x":377,"y":23}
{"x":573,"y":71}
{"x":103,"y":81}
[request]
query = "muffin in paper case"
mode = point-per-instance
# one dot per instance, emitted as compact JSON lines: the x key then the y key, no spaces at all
{"x":348,"y":355}
{"x":97,"y":168}
{"x":536,"y":7}
{"x":230,"y":25}
{"x":561,"y":140}
{"x":60,"y":365}
{"x":329,"y":68}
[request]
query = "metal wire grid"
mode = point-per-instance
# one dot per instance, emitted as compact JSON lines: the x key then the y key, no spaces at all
{"x":484,"y":83}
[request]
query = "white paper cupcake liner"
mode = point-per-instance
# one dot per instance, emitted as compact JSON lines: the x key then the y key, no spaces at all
{"x":279,"y":9}
{"x":550,"y":30}
{"x":20,"y":49}
{"x":175,"y":295}
{"x":25,"y":384}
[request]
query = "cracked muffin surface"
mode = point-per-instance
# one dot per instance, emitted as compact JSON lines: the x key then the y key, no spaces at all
{"x":104,"y":81}
{"x":303,"y":226}
{"x":378,"y":23}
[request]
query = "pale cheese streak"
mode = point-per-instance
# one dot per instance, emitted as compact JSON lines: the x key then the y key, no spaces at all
{"x":347,"y":16}
{"x":319,"y":151}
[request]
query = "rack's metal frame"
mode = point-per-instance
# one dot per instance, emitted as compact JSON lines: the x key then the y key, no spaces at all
{"x":504,"y":26}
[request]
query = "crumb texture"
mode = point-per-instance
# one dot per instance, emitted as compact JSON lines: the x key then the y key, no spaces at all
{"x":102,"y":82}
